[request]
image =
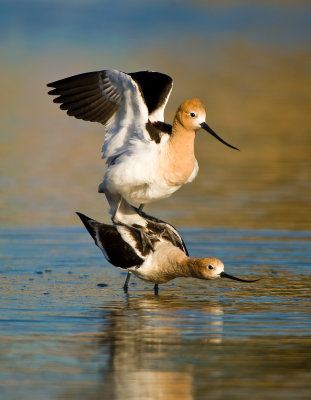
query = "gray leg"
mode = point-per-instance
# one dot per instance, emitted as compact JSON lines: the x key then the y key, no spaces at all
{"x":168,"y":233}
{"x":114,"y":200}
{"x":113,"y":218}
{"x":156,"y":289}
{"x":144,"y":238}
{"x":140,"y":208}
{"x":128,"y":277}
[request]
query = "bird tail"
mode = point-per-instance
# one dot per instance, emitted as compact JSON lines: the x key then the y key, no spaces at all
{"x":89,"y":223}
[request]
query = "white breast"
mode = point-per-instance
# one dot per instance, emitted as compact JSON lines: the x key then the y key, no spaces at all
{"x":137,"y":174}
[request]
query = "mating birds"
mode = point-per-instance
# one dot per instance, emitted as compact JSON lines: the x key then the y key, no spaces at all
{"x":169,"y":259}
{"x":147,"y":159}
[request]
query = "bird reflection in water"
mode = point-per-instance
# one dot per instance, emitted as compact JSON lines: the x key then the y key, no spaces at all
{"x":146,"y":337}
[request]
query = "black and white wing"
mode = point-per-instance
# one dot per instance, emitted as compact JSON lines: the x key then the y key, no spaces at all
{"x":123,"y":103}
{"x":118,"y":249}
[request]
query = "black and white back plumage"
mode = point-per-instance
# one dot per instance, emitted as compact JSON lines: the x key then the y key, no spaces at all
{"x":122,"y":246}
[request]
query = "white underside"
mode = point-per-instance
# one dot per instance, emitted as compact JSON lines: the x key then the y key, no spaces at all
{"x":138,"y":174}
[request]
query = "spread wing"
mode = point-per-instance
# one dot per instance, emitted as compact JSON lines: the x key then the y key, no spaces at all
{"x":156,"y":88}
{"x":122,"y":102}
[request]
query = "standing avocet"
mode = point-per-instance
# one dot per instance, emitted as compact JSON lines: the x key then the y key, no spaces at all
{"x":167,"y":260}
{"x":147,"y":159}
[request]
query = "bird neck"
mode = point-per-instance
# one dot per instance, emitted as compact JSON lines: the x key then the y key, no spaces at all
{"x":170,"y":262}
{"x":181,"y":158}
{"x":190,"y":268}
{"x":177,"y":264}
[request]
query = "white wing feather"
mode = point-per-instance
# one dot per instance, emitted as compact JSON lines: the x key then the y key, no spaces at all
{"x":129,"y":122}
{"x":119,"y":101}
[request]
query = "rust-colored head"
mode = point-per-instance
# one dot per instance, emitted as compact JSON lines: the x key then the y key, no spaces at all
{"x":212,"y":268}
{"x":191,"y":115}
{"x":208,"y":268}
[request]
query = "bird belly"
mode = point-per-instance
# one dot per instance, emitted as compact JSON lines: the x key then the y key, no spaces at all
{"x":160,"y":266}
{"x":138,"y":177}
{"x":150,"y":273}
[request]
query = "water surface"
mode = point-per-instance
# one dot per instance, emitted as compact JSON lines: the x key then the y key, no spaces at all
{"x":65,"y":337}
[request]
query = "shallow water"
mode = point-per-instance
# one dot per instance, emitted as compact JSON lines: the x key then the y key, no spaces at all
{"x":65,"y":337}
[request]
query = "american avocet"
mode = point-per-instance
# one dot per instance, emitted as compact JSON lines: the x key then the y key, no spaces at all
{"x":147,"y":159}
{"x":122,"y":247}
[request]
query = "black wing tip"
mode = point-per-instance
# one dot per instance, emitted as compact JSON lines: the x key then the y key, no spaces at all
{"x":150,"y":71}
{"x":73,"y":78}
{"x":82,"y":215}
{"x":164,"y":80}
{"x":84,"y":218}
{"x":87,"y":223}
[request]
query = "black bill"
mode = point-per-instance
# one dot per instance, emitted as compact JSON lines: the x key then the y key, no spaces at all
{"x":210,"y":130}
{"x":224,"y":275}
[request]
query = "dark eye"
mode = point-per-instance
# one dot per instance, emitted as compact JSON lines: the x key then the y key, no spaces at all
{"x":192,"y":114}
{"x":210,"y":267}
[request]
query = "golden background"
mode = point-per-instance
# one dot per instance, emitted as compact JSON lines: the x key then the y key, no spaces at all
{"x":254,"y":80}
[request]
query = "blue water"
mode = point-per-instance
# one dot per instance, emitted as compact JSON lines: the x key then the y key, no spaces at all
{"x":63,"y":336}
{"x":114,"y":25}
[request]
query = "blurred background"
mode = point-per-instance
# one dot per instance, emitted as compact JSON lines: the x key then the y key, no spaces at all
{"x":249,"y":61}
